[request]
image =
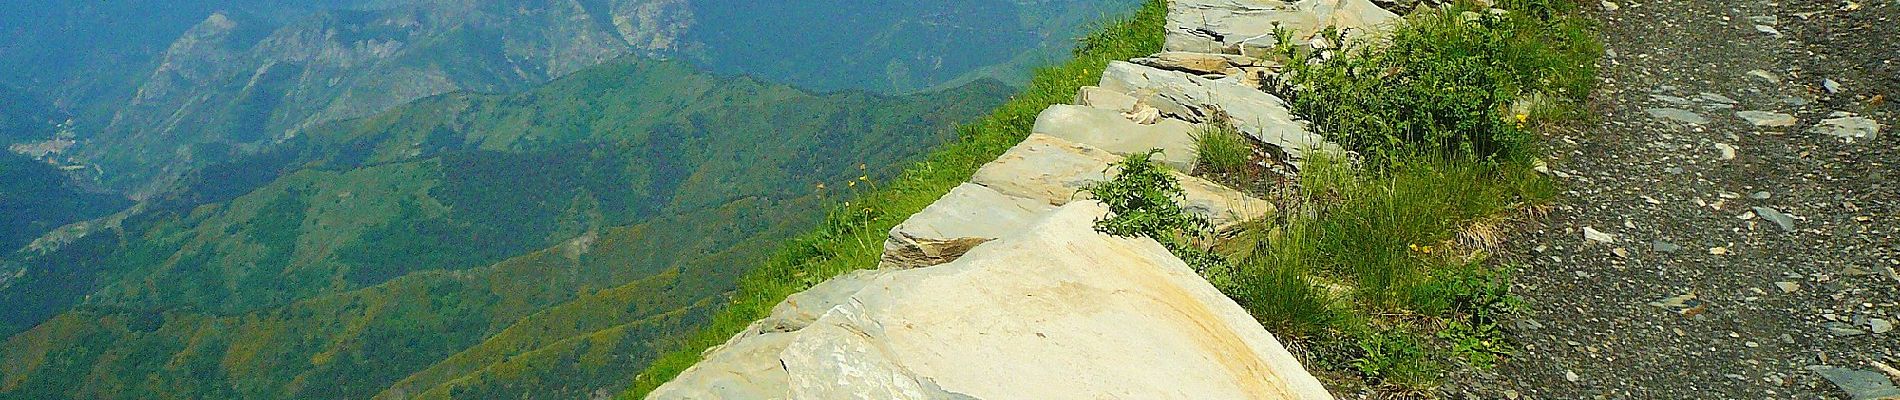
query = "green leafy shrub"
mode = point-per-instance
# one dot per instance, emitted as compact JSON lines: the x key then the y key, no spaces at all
{"x":1143,"y":201}
{"x":1443,"y":83}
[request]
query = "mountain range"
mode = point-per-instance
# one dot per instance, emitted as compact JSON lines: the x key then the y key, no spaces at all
{"x":392,"y":248}
{"x":245,"y":76}
{"x":443,"y":198}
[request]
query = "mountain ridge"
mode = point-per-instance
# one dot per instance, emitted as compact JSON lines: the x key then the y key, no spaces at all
{"x":434,"y":203}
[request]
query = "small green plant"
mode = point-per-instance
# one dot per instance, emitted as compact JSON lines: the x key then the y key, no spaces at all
{"x":1396,"y":358}
{"x":1221,"y":148}
{"x":1143,"y":200}
{"x":1474,"y":299}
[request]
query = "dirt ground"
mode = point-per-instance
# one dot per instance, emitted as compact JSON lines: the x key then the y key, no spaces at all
{"x":1613,"y":317}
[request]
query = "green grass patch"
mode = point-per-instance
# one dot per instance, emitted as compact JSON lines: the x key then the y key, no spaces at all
{"x":1380,"y":269}
{"x":853,"y":234}
{"x":1445,"y":114}
{"x":1221,"y":149}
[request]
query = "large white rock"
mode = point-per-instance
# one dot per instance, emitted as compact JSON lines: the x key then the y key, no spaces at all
{"x":967,"y":216}
{"x":1191,"y":98}
{"x":1057,"y":312}
{"x":1115,"y":132}
{"x":1227,"y":26}
{"x":1055,"y":170}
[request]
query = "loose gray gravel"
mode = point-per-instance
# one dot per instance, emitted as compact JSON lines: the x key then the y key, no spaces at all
{"x":1738,"y":278}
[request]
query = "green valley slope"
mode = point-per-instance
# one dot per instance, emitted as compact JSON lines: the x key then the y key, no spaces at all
{"x":545,"y":242}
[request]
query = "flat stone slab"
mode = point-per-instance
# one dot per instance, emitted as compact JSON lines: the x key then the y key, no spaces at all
{"x":1055,"y":170}
{"x":1200,"y":63}
{"x":1183,"y":96}
{"x":969,"y":215}
{"x":1851,"y":128}
{"x":1095,"y":96}
{"x":1057,"y":312}
{"x":1115,"y":132}
{"x":1767,"y":118}
{"x":1677,"y":115}
{"x":1226,"y":26}
{"x":1046,"y":168}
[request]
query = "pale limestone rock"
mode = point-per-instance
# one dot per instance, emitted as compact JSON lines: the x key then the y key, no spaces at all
{"x":1849,"y":127}
{"x":1055,"y":170}
{"x":1255,"y":113}
{"x":747,"y":366}
{"x":960,"y":220}
{"x":1095,"y":96}
{"x":1057,"y":312}
{"x":1112,"y":131}
{"x":1229,"y":26}
{"x":1046,"y":168}
{"x":1767,"y":118}
{"x":1199,"y":63}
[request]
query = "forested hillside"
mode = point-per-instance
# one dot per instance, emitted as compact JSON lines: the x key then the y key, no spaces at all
{"x":541,"y":242}
{"x":35,"y":195}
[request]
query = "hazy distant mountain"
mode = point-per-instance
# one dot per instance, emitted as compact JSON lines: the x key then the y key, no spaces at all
{"x":396,"y":198}
{"x":374,"y":250}
{"x":36,"y":193}
{"x":232,"y":77}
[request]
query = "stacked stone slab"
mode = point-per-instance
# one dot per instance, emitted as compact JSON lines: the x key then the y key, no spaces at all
{"x":1002,"y":289}
{"x":1247,"y":26}
{"x":1059,"y":312}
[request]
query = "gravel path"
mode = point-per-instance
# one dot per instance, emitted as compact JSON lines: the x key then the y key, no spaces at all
{"x":1787,"y":238}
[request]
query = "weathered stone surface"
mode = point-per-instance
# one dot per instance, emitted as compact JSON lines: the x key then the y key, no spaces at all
{"x":1095,"y":96}
{"x":1217,"y":26}
{"x":1055,"y":170}
{"x":1115,"y":132}
{"x":1767,"y":118}
{"x":1194,"y":99}
{"x":1677,"y":115}
{"x":967,"y":216}
{"x":1851,"y":128}
{"x":747,"y":366}
{"x":1859,"y":384}
{"x":800,"y":309}
{"x":1046,"y":168}
{"x":1199,"y":63}
{"x":1057,"y":312}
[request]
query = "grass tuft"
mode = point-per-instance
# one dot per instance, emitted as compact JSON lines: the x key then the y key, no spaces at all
{"x":1221,"y":149}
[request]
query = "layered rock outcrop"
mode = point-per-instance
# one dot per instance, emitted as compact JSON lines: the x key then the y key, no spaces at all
{"x":1058,"y":311}
{"x":1247,"y":26}
{"x":1002,"y":289}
